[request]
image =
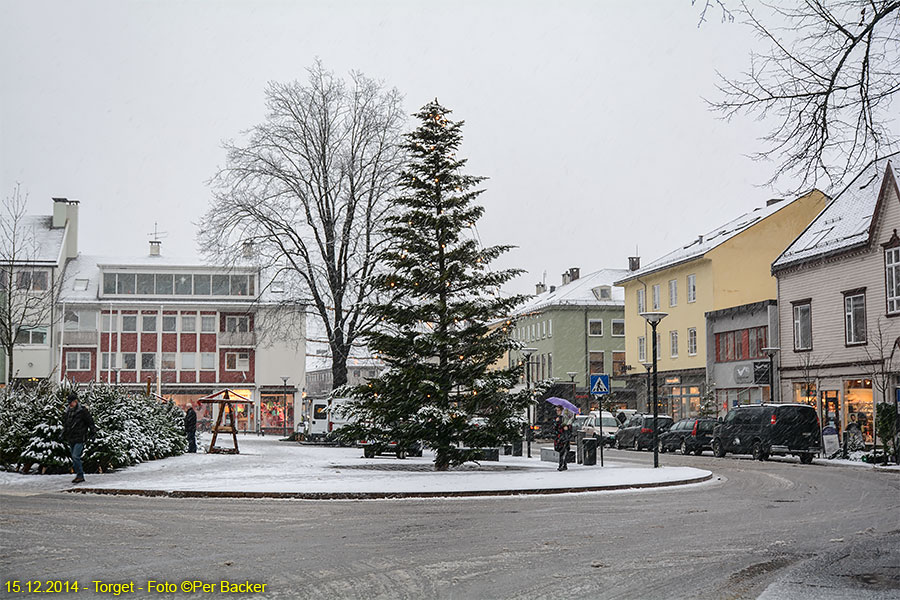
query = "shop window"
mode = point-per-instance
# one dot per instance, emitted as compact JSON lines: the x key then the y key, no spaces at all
{"x":859,"y":400}
{"x":805,"y":393}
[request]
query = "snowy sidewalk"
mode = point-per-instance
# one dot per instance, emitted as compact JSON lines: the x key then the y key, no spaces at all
{"x":267,"y":467}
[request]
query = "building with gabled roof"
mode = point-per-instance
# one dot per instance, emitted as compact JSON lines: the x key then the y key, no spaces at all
{"x":839,"y":292}
{"x":728,"y":266}
{"x":577,"y":329}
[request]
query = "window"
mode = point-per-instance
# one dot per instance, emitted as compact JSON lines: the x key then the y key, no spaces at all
{"x":892,"y":276}
{"x":673,"y":292}
{"x":125,"y":283}
{"x":183,"y":285}
{"x":237,"y":361}
{"x":692,"y":288}
{"x":165,"y":284}
{"x":658,"y":346}
{"x":148,"y":361}
{"x":107,"y":322}
{"x":108,"y":360}
{"x":595,"y":360}
{"x":656,"y":297}
{"x":641,"y":301}
{"x":188,"y":361}
{"x":32,"y":281}
{"x":237,"y":324}
{"x":31,"y":336}
{"x":642,"y":349}
{"x":188,"y":323}
{"x":202,"y":285}
{"x":618,"y":365}
{"x":81,"y":285}
{"x":221,"y":285}
{"x":167,"y":361}
{"x":692,"y":341}
{"x":145,"y":284}
{"x":673,"y":343}
{"x":78,"y":361}
{"x":129,"y":323}
{"x":109,"y":283}
{"x":80,"y":320}
{"x":207,"y":361}
{"x":549,"y":365}
{"x":208,"y":323}
{"x":618,"y":327}
{"x":277,"y":287}
{"x":595,"y":327}
{"x":803,"y":326}
{"x":169,"y":322}
{"x":148,"y":323}
{"x":240,"y":285}
{"x":129,"y":361}
{"x":743,"y":344}
{"x":855,"y":317}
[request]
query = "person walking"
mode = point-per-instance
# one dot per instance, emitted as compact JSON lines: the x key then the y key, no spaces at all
{"x":190,"y":427}
{"x":78,"y":427}
{"x":563,"y":425}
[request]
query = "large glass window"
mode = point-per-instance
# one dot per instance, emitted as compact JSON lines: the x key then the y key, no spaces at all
{"x":221,"y":285}
{"x":109,"y":283}
{"x":855,"y":318}
{"x":858,"y":394}
{"x":183,"y":285}
{"x":80,"y":320}
{"x":125,"y":283}
{"x":145,"y":284}
{"x":202,"y":285}
{"x":803,"y":326}
{"x":165,"y":284}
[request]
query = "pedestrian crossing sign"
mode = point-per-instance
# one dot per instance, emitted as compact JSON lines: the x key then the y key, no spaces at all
{"x":599,"y":384}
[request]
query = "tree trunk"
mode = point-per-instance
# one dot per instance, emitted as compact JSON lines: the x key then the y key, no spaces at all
{"x":442,"y":459}
{"x":339,"y":354}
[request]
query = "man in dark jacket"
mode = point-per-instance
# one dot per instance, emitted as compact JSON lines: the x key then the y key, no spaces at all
{"x":78,"y":427}
{"x":190,"y":428}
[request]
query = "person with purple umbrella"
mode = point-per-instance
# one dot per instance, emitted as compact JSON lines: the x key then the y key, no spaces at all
{"x":563,"y":425}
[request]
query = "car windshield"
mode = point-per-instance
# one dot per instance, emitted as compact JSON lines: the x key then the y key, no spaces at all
{"x":580,"y":419}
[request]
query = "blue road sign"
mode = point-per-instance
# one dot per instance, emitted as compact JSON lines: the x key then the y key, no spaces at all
{"x":599,"y":385}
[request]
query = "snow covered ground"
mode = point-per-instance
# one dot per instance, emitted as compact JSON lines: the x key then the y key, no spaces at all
{"x":267,"y":465}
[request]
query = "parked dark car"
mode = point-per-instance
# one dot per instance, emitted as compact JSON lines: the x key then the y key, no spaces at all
{"x":689,"y":435}
{"x":637,"y":433}
{"x":766,"y":429}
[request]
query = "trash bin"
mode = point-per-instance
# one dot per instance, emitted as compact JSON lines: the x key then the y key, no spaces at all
{"x":589,"y":451}
{"x":517,"y":448}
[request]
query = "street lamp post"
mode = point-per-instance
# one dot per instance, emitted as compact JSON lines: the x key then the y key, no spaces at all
{"x":527,"y":352}
{"x":654,"y":318}
{"x":649,"y":367}
{"x":772,"y":384}
{"x":284,"y":381}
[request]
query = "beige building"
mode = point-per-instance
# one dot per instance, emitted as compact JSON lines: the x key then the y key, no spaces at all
{"x":839,"y":298}
{"x":726,"y":267}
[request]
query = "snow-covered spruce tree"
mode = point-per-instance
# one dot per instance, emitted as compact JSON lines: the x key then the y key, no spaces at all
{"x":436,"y":334}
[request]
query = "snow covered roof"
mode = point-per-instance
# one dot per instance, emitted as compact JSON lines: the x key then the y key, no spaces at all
{"x":588,"y":290}
{"x":709,"y":240}
{"x":845,"y":223}
{"x":43,"y":242}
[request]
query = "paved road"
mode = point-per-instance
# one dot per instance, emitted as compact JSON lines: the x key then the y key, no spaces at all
{"x":756,"y":524}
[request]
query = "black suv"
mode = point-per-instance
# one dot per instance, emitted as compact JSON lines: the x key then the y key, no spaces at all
{"x":690,"y":435}
{"x":767,"y":429}
{"x":637,"y":432}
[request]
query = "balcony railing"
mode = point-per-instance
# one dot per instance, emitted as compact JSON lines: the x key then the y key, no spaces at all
{"x":79,"y":338}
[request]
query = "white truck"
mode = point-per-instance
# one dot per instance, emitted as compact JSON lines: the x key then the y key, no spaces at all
{"x":326,"y":415}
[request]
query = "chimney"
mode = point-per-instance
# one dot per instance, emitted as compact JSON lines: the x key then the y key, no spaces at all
{"x":154,"y":247}
{"x":540,"y":288}
{"x":65,"y":214}
{"x":634,"y":263}
{"x":552,"y":288}
{"x":574,"y":273}
{"x":773,"y":201}
{"x":565,"y":278}
{"x":60,"y":212}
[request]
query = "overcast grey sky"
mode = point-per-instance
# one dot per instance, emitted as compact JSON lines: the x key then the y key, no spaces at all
{"x":587,"y":117}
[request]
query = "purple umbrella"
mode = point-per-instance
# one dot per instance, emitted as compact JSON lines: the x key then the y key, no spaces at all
{"x":564,"y":403}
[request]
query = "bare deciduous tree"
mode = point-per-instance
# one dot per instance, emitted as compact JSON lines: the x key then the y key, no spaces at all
{"x":827,"y":79}
{"x":307,"y":189}
{"x":29,"y":288}
{"x":883,"y":353}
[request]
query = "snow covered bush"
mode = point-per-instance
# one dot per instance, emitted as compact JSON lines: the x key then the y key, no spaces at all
{"x":130,"y":428}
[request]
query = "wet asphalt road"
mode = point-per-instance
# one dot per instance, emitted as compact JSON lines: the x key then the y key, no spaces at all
{"x":755,"y":524}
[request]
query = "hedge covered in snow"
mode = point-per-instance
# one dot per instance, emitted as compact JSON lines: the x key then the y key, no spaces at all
{"x":130,"y":429}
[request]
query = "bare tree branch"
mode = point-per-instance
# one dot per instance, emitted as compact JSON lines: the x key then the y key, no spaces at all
{"x":308,"y":189}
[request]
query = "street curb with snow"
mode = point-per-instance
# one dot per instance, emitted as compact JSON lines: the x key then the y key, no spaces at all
{"x":382,"y":495}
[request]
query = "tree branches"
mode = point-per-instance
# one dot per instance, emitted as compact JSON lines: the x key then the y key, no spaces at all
{"x":827,"y":79}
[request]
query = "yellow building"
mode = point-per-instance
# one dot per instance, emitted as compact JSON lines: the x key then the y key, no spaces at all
{"x":727,"y":267}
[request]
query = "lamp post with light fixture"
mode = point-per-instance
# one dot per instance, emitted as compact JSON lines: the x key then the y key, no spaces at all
{"x":654,"y":318}
{"x":649,"y":367}
{"x":771,"y":351}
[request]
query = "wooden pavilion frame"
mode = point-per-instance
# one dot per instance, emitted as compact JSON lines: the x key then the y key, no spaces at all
{"x":225,"y":399}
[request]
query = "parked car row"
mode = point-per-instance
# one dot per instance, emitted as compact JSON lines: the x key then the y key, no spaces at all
{"x":762,"y":430}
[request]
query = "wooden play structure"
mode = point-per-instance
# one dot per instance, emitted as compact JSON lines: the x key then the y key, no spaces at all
{"x":225,"y":400}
